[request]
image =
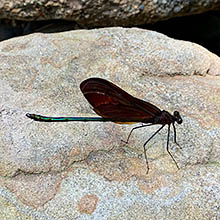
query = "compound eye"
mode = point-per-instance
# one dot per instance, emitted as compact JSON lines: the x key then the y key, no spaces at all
{"x":179,"y":120}
{"x":177,"y":117}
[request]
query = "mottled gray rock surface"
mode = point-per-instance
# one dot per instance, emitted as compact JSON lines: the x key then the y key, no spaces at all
{"x":83,"y":170}
{"x":104,"y":13}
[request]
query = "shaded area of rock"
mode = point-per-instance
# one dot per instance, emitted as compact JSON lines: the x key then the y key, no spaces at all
{"x":14,"y":28}
{"x":203,"y":29}
{"x":103,"y":13}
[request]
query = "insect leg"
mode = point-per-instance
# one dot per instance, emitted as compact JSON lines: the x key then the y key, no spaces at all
{"x":168,"y":137}
{"x":133,"y":130}
{"x":174,"y":130}
{"x":145,"y":154}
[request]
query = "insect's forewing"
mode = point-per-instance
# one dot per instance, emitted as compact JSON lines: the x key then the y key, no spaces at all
{"x":110,"y":101}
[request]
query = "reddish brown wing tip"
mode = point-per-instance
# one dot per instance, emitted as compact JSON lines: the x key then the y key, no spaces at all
{"x":84,"y":83}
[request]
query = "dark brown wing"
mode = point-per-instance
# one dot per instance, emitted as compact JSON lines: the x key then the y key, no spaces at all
{"x":110,"y":101}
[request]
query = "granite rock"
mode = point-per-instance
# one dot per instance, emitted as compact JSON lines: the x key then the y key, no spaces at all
{"x":104,"y":13}
{"x":83,"y":170}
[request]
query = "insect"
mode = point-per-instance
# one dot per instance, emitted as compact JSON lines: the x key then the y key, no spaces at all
{"x":116,"y":105}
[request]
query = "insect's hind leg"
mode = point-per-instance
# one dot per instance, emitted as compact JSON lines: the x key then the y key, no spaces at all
{"x":145,"y":151}
{"x":141,"y":126}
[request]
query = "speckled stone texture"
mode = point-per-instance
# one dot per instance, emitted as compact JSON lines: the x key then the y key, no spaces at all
{"x":91,"y":13}
{"x":83,"y":170}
